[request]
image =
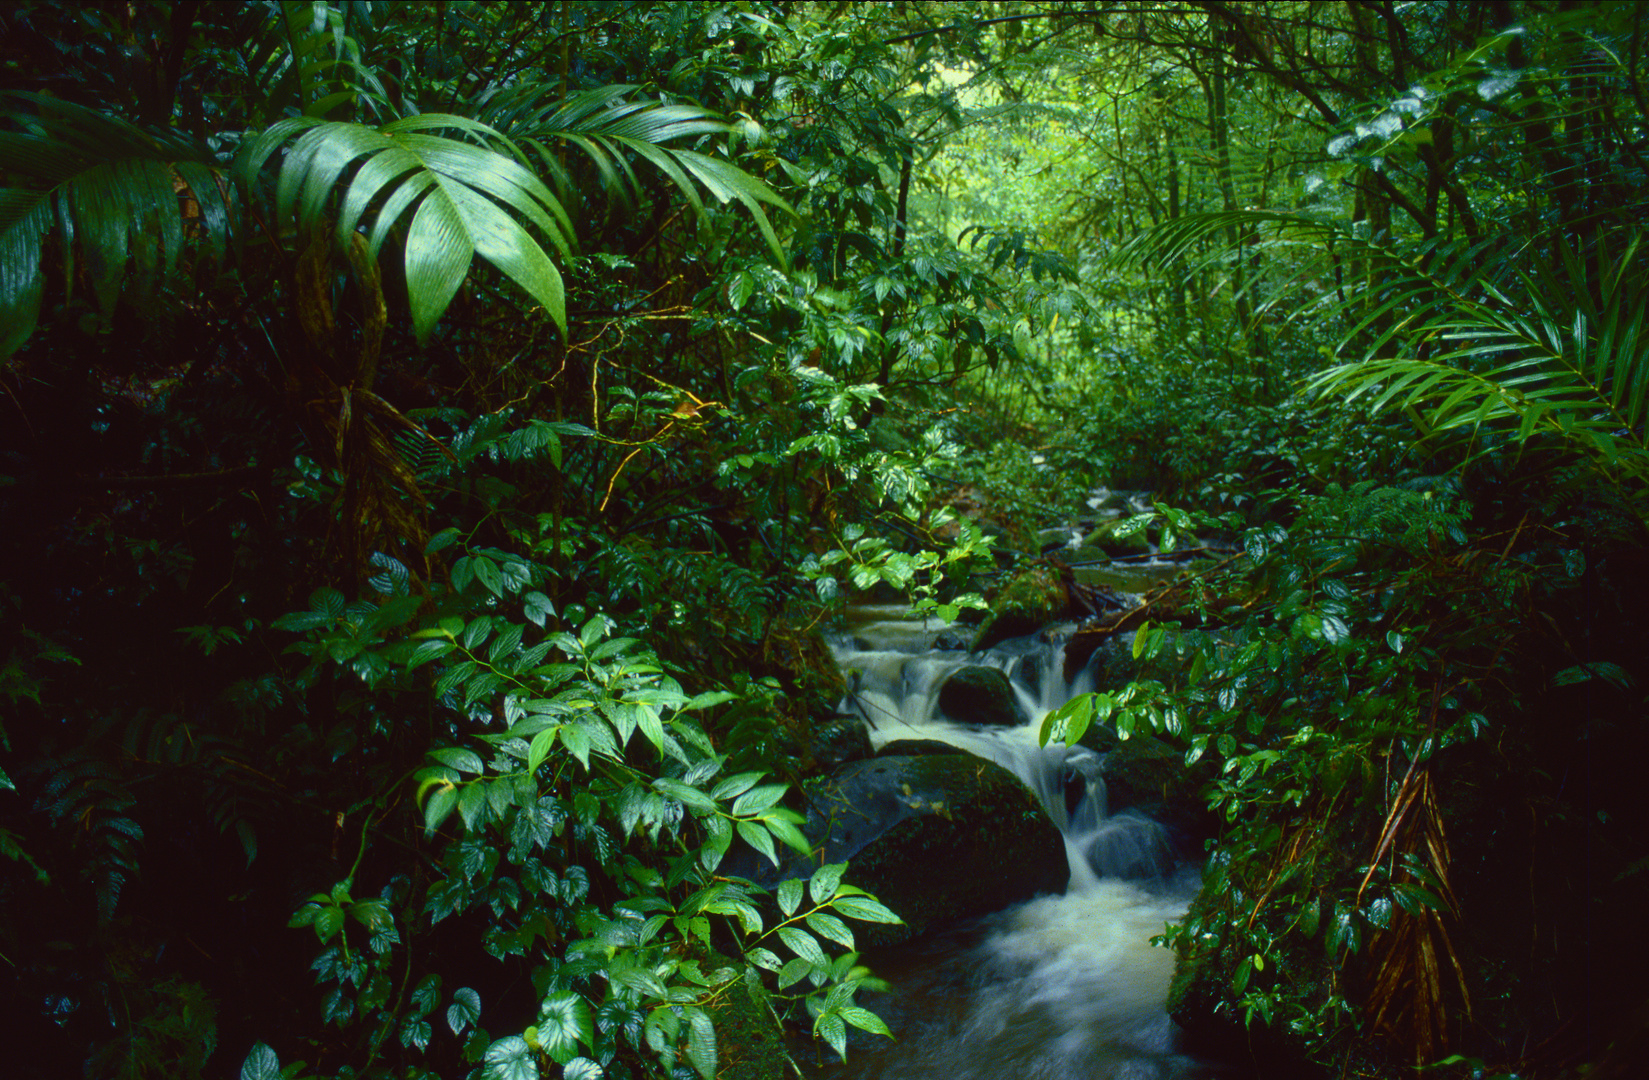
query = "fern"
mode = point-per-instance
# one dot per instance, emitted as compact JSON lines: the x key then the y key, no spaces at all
{"x":87,"y":796}
{"x":1473,"y":338}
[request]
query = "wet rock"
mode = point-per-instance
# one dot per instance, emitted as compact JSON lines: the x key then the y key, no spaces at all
{"x":953,"y":640}
{"x":1147,"y":774}
{"x":915,"y":748}
{"x":1143,"y":770}
{"x":938,"y":838}
{"x":1085,"y":555}
{"x":839,"y":742}
{"x":1107,"y":539}
{"x":1033,"y":598}
{"x":979,"y":695}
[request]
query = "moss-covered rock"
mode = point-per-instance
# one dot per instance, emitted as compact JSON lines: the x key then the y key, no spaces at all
{"x":1133,"y":541}
{"x":1147,"y":774}
{"x":838,"y":742}
{"x":938,"y":838}
{"x":977,"y":694}
{"x":1033,"y":598}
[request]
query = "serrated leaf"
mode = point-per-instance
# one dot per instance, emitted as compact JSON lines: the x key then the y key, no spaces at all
{"x":427,"y":994}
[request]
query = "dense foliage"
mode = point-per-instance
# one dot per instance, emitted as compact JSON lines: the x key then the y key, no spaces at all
{"x":438,"y":431}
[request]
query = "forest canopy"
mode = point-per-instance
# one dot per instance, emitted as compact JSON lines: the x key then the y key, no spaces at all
{"x":438,"y":435}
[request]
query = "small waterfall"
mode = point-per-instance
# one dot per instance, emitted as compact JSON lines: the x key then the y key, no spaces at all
{"x":1063,"y":986}
{"x":894,"y":680}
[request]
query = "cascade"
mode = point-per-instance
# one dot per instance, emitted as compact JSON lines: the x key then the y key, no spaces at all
{"x":1062,"y":986}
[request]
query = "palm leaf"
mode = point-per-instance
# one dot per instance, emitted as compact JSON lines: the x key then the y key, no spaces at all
{"x":464,"y":199}
{"x":1556,"y":349}
{"x":113,"y":192}
{"x":604,"y":126}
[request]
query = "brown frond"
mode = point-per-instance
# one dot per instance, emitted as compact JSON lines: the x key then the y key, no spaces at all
{"x":1410,"y":993}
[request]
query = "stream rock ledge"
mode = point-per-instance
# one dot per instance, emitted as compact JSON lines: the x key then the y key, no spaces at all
{"x":938,"y":838}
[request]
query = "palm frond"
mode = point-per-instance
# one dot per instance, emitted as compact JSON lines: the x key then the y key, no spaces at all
{"x":1511,"y":334}
{"x":603,"y":126}
{"x":460,"y":195}
{"x":1565,"y":355}
{"x":121,"y":198}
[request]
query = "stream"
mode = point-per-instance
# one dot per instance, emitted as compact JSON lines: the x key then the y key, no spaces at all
{"x":1063,"y":986}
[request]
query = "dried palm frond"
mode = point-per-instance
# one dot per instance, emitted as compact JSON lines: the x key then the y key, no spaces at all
{"x":1409,"y":995}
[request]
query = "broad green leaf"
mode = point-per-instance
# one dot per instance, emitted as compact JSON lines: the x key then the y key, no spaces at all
{"x":25,"y":216}
{"x":790,"y":895}
{"x":261,"y":1064}
{"x":456,"y":757}
{"x":564,"y":1024}
{"x":581,"y":1068}
{"x":864,"y":1020}
{"x":442,"y":802}
{"x":785,"y":831}
{"x":803,"y":945}
{"x":510,"y":1058}
{"x":758,"y":838}
{"x":864,"y":909}
{"x":692,"y":797}
{"x":822,"y":886}
{"x":464,"y":1011}
{"x":540,"y":748}
{"x":829,"y":926}
{"x":701,"y":1043}
{"x":758,"y":799}
{"x":831,"y":1029}
{"x":733,"y":786}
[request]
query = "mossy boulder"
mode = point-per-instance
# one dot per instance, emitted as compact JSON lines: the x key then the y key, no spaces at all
{"x":915,"y":748}
{"x":938,"y":838}
{"x":1146,"y":773}
{"x":838,"y":742}
{"x":1120,"y":536}
{"x":977,"y":694}
{"x":1033,"y":598}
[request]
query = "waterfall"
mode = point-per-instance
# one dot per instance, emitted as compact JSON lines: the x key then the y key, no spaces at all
{"x":894,"y":681}
{"x":1062,"y":986}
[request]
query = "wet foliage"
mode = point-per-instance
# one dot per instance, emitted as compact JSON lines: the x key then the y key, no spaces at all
{"x":438,"y":433}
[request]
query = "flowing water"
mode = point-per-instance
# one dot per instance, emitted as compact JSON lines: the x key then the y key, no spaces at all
{"x":1065,"y":987}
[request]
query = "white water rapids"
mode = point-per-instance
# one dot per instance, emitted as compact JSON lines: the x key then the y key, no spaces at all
{"x":1062,"y":987}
